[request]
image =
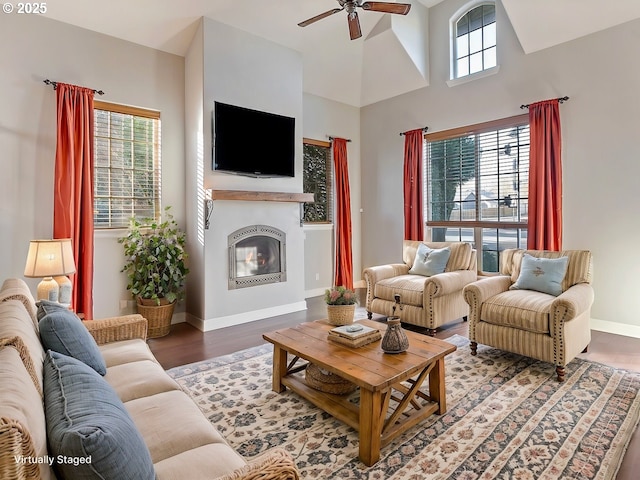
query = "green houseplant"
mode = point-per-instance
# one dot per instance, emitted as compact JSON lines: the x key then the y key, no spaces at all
{"x":155,"y":263}
{"x":341,"y":305}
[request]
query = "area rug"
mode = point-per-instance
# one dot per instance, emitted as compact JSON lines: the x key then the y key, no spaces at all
{"x":507,"y":418}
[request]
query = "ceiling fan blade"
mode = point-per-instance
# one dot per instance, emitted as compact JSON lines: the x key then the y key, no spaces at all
{"x":354,"y":25}
{"x":319,"y":17}
{"x":386,"y":7}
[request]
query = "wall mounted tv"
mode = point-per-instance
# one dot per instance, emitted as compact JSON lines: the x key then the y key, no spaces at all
{"x":252,"y":143}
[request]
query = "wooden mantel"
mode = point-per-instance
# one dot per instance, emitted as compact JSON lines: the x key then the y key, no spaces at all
{"x":253,"y":196}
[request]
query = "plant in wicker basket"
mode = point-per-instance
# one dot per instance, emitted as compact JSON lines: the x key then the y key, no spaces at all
{"x":341,"y":305}
{"x":156,"y":269}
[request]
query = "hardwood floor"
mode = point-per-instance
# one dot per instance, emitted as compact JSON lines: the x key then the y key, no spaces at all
{"x":186,"y":344}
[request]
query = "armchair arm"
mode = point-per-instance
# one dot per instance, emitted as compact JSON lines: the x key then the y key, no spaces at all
{"x":477,"y":292}
{"x":276,"y":464}
{"x":373,"y":275}
{"x":572,"y":302}
{"x":116,"y":329}
{"x":448,"y":282}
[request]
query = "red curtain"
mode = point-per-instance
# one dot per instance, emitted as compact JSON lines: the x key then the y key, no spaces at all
{"x":413,"y":216}
{"x":545,"y":177}
{"x":344,"y":261}
{"x":73,"y":195}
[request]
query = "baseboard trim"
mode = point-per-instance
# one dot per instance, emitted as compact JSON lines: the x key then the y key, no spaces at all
{"x":316,"y":292}
{"x":616,"y":328}
{"x":246,"y":317}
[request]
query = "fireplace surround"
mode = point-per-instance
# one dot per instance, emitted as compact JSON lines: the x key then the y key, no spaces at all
{"x":257,"y":256}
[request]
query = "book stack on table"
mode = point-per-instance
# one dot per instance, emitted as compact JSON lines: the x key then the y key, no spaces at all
{"x":354,"y":335}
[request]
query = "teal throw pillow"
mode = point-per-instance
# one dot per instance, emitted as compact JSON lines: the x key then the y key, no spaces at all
{"x":542,"y":274}
{"x":88,"y":426}
{"x":429,"y":262}
{"x":63,"y":332}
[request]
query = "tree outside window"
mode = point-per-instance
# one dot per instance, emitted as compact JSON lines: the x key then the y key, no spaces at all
{"x":317,"y":180}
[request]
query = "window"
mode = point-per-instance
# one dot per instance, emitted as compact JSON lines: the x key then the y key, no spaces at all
{"x":317,"y":179}
{"x":474,"y":41}
{"x":477,"y":187}
{"x":126,"y":164}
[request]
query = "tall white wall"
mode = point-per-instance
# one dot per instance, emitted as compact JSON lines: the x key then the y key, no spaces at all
{"x":324,"y":118}
{"x":599,"y":128}
{"x":241,"y":69}
{"x":35,"y":48}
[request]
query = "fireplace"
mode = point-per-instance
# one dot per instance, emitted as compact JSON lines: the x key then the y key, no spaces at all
{"x":256,"y":256}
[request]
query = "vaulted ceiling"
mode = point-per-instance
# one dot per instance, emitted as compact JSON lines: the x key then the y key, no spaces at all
{"x":389,"y":59}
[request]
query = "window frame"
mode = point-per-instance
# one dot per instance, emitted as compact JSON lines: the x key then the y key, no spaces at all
{"x":157,"y":160}
{"x":329,"y":179}
{"x":454,"y":79}
{"x":478,"y":225}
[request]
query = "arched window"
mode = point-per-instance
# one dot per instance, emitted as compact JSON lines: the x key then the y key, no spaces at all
{"x":474,"y":41}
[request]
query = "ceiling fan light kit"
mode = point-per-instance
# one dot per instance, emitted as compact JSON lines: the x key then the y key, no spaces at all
{"x":352,"y":15}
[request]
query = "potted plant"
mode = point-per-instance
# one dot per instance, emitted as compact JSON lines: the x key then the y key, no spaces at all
{"x":156,"y":269}
{"x":341,"y":305}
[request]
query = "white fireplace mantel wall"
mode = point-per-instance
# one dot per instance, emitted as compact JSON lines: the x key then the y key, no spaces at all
{"x":229,"y":65}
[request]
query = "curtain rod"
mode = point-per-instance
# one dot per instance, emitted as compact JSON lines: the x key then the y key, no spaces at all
{"x":424,"y":129}
{"x":560,"y":100}
{"x":331,"y":138}
{"x":55,"y":85}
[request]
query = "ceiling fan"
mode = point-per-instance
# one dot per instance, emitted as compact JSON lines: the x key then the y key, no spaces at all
{"x":352,"y":16}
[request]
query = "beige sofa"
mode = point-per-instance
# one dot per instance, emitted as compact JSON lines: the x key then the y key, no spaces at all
{"x":427,"y":302}
{"x":539,"y":325}
{"x":181,"y":441}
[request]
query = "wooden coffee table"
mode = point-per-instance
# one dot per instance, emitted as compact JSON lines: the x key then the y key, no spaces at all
{"x":390,"y":398}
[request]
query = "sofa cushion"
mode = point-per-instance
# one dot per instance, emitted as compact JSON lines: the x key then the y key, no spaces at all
{"x":460,"y":258}
{"x":522,"y":309}
{"x":17,"y":289}
{"x":429,"y":262}
{"x":139,"y":379}
{"x":541,"y":274}
{"x":63,"y":332}
{"x":87,"y":422}
{"x":154,"y":416}
{"x":202,"y":463}
{"x":22,"y":423}
{"x":409,"y":287}
{"x":15,"y":321}
{"x":125,"y":351}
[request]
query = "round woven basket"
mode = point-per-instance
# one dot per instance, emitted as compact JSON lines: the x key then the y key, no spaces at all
{"x":158,"y":318}
{"x":340,"y":314}
{"x":326,"y":381}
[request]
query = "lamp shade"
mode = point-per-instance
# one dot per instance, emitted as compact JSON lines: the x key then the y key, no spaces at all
{"x":49,"y":258}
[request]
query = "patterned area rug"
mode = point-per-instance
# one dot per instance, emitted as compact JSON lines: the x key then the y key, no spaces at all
{"x":507,"y":418}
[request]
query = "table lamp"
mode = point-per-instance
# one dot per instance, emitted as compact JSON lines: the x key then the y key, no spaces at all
{"x":47,"y":259}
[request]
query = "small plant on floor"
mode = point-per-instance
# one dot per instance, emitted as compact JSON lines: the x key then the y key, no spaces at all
{"x":340,"y":296}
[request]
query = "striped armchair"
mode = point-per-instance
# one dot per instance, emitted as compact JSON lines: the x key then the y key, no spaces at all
{"x":427,"y":302}
{"x":550,"y":328}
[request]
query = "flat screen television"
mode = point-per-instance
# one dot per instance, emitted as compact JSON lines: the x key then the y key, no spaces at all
{"x":252,"y":143}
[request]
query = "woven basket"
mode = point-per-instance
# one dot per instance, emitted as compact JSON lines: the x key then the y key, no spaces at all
{"x":327,"y":382}
{"x":158,"y":318}
{"x":340,"y":314}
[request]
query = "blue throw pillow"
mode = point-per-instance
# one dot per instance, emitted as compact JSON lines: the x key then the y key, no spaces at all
{"x":63,"y":332}
{"x":542,"y":274}
{"x":90,"y":433}
{"x":429,"y":261}
{"x":47,"y":306}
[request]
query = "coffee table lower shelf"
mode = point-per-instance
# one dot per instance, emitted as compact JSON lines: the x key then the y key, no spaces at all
{"x":380,"y":426}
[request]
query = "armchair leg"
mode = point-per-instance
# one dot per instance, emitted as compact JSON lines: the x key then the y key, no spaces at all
{"x":474,"y":348}
{"x":432,"y":332}
{"x":369,"y":315}
{"x":560,"y":372}
{"x":465,"y":318}
{"x":586,"y":349}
